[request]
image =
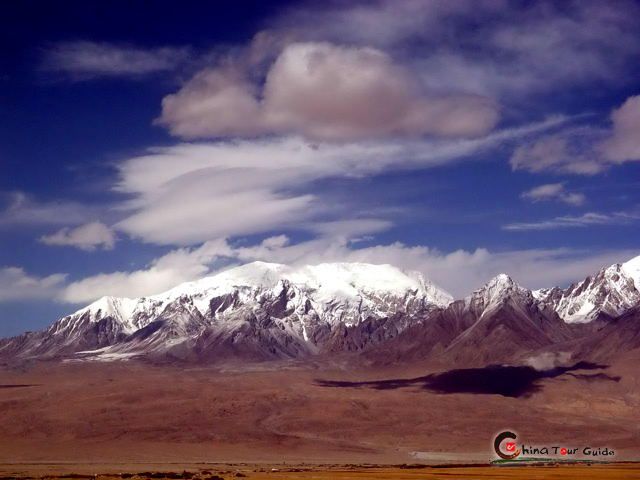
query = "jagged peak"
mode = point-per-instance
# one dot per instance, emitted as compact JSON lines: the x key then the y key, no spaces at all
{"x":500,"y":287}
{"x":338,"y":293}
{"x":330,"y":282}
{"x":500,"y":283}
{"x":610,"y":291}
{"x":545,"y":294}
{"x":119,"y":308}
{"x":106,"y":304}
{"x":502,"y":279}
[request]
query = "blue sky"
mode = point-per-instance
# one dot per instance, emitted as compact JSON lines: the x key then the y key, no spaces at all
{"x":461,"y":139}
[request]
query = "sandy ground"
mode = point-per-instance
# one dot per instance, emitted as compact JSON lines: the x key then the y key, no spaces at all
{"x":132,"y":413}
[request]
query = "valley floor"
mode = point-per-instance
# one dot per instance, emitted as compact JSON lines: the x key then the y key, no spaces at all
{"x":131,"y":413}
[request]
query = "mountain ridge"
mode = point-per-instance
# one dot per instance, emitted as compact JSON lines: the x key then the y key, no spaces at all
{"x":264,"y":311}
{"x":292,"y":310}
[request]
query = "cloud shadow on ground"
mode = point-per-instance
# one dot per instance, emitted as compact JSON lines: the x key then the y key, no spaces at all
{"x":508,"y":381}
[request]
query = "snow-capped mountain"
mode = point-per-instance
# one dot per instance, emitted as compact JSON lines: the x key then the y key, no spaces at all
{"x":263,"y":311}
{"x":495,"y":293}
{"x":608,"y":294}
{"x":508,"y":321}
{"x":259,"y":310}
{"x":498,"y":322}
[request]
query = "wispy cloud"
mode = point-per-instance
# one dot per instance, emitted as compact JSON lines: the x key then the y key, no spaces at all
{"x":24,"y":210}
{"x":177,"y":266}
{"x":459,"y":271}
{"x":189,"y":193}
{"x":89,"y":237}
{"x":585,"y":150}
{"x":554,"y":191}
{"x":579,"y":221}
{"x":514,"y":49}
{"x":84,"y":60}
{"x":16,"y":284}
{"x":568,"y":151}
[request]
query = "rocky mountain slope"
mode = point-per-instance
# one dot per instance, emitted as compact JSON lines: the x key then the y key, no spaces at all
{"x":258,"y":311}
{"x":263,"y":311}
{"x":500,"y":321}
{"x":607,"y":294}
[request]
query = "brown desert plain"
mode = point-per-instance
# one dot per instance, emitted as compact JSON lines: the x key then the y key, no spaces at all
{"x":292,"y":420}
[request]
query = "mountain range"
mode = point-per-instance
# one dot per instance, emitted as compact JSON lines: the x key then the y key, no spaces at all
{"x":360,"y":312}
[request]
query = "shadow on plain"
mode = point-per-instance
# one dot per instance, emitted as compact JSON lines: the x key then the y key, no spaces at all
{"x":505,"y":380}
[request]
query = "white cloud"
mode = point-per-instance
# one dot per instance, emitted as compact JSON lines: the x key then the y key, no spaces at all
{"x":324,"y":92}
{"x":575,"y":199}
{"x":175,"y":267}
{"x":584,"y":220}
{"x":16,"y":284}
{"x":334,"y":92}
{"x":190,"y":193}
{"x":382,"y":23}
{"x":548,"y":360}
{"x":584,"y":150}
{"x":462,"y":271}
{"x":554,"y":191}
{"x":624,"y":142}
{"x":569,"y":151}
{"x":85,"y":237}
{"x":459,"y":271}
{"x":514,"y":49}
{"x":277,"y":241}
{"x":84,"y":60}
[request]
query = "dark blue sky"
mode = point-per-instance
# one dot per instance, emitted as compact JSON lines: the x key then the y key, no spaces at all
{"x":145,"y":144}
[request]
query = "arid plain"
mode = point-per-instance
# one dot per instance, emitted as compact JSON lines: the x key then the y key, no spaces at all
{"x":89,"y":417}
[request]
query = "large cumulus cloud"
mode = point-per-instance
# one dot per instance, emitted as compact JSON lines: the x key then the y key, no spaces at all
{"x":323,"y":91}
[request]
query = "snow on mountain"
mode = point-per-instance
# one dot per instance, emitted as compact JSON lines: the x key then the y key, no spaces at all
{"x":609,"y":293}
{"x":121,"y":309}
{"x":271,"y":309}
{"x":265,"y":311}
{"x":357,"y":287}
{"x":497,"y":291}
{"x":631,"y":269}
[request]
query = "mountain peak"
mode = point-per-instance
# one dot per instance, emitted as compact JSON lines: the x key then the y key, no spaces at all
{"x":294,"y":308}
{"x":341,"y":279}
{"x":502,"y":279}
{"x":608,"y":293}
{"x":271,"y":310}
{"x":109,"y":306}
{"x":497,"y":289}
{"x":500,"y":283}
